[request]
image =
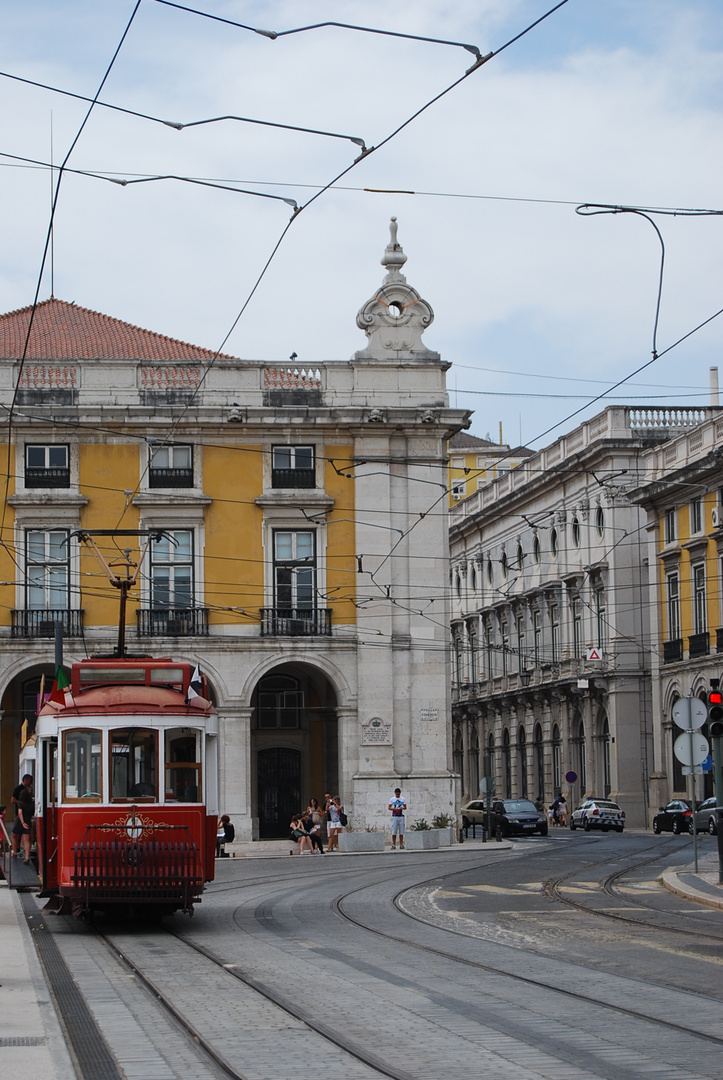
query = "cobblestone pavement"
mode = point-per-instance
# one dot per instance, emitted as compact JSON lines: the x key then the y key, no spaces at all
{"x":453,"y":964}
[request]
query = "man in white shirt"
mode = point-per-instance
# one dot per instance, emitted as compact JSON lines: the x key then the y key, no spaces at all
{"x":397,"y":806}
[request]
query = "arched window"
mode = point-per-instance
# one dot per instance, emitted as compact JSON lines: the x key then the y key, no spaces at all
{"x":539,"y":762}
{"x":506,"y":765}
{"x":503,"y":562}
{"x":680,"y":782}
{"x":556,"y":761}
{"x":458,"y":659}
{"x":553,"y":542}
{"x":473,"y":577}
{"x":522,"y":788}
{"x":520,"y":556}
{"x":536,"y":548}
{"x":600,"y":520}
{"x":576,"y":532}
{"x":490,"y":571}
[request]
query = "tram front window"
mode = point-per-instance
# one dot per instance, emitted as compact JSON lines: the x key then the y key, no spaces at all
{"x":83,"y":767}
{"x":133,"y":756}
{"x":183,"y":765}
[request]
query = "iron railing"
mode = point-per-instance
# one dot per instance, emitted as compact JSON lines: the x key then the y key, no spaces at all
{"x":699,"y":644}
{"x":29,"y":623}
{"x":46,"y":478}
{"x":172,"y":622}
{"x":295,"y":622}
{"x":163,"y":868}
{"x":293,"y":478}
{"x":170,"y":478}
{"x":672,"y":651}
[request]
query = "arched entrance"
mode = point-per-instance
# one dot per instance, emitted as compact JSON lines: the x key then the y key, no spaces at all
{"x":19,"y":704}
{"x":294,"y":744}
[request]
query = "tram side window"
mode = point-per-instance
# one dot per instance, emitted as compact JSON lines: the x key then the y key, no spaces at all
{"x":83,"y":766}
{"x":183,"y":765}
{"x":133,"y":756}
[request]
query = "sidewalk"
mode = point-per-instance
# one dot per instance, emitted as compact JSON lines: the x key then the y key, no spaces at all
{"x":701,"y":888}
{"x":31,"y":1041}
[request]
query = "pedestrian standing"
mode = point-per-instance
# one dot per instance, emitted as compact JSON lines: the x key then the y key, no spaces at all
{"x":334,"y":826}
{"x":397,"y":805}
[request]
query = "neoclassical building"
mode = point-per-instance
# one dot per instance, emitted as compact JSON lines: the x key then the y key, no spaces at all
{"x":299,"y":562}
{"x":552,"y":649}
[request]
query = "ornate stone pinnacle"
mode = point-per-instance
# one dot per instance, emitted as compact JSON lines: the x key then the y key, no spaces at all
{"x":394,"y":258}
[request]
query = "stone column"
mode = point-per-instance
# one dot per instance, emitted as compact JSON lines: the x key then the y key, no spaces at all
{"x":235,"y":781}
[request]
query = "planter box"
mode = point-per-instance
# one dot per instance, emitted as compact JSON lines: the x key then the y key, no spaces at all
{"x":421,"y":841}
{"x":361,"y":841}
{"x":446,"y":835}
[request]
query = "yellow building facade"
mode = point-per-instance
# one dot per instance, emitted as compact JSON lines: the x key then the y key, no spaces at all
{"x":276,"y":502}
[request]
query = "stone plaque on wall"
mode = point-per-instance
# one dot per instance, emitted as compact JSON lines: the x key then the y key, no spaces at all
{"x":429,"y":714}
{"x":377,"y":732}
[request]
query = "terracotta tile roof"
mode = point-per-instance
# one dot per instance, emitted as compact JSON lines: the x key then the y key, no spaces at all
{"x":462,"y":439}
{"x":63,"y":331}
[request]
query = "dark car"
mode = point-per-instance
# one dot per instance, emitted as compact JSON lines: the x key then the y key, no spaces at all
{"x":706,"y":816}
{"x":516,"y":817}
{"x":676,"y":817}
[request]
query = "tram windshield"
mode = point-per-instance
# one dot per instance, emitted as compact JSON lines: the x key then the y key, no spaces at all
{"x":133,"y":772}
{"x":83,"y":766}
{"x":183,"y":765}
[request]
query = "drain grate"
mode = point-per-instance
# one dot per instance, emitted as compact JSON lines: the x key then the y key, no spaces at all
{"x":93,"y":1058}
{"x":24,"y":1040}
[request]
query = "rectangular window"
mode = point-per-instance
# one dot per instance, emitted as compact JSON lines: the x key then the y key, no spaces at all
{"x":459,"y":489}
{"x":555,"y":632}
{"x":183,"y":765}
{"x":537,"y":636}
{"x":47,"y":577}
{"x":171,"y":467}
{"x":47,"y":467}
{"x":83,"y":767}
{"x":133,"y":757}
{"x":700,"y":617}
{"x":521,"y":656}
{"x":577,"y":628}
{"x":672,"y":588}
{"x":293,"y":467}
{"x":172,"y":571}
{"x":601,"y":619}
{"x":472,"y":654}
{"x":295,"y":569}
{"x":505,"y":646}
{"x":671,"y":526}
{"x":280,"y":708}
{"x":696,"y":516}
{"x":490,"y":655}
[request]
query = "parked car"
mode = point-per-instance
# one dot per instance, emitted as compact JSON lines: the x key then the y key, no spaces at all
{"x":597,"y":814}
{"x":706,"y":816}
{"x":473,"y":813}
{"x":676,"y":817}
{"x":516,"y":817}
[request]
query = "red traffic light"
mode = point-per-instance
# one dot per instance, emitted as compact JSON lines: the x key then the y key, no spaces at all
{"x":715,"y":697}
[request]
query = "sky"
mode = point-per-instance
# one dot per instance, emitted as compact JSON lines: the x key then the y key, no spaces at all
{"x":538,"y":308}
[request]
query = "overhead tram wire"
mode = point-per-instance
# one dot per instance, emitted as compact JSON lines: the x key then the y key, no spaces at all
{"x":479,"y":62}
{"x":49,"y":233}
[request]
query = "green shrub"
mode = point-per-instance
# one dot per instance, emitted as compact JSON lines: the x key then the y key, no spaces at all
{"x":442,"y":821}
{"x":420,"y":825}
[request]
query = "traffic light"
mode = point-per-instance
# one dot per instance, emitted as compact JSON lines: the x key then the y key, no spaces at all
{"x":715,"y":713}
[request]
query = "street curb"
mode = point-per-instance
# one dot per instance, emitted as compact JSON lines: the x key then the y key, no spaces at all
{"x":671,"y":881}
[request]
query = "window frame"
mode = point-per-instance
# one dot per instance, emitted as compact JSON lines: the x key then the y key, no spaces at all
{"x":672,"y":605}
{"x":294,"y":564}
{"x":47,"y":474}
{"x":47,"y":563}
{"x":172,"y":563}
{"x":301,"y":476}
{"x":174,"y":475}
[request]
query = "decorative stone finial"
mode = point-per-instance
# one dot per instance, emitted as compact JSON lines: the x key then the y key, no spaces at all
{"x":394,"y":258}
{"x":396,"y":317}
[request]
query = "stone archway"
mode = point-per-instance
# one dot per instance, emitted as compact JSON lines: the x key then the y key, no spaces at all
{"x":19,"y":704}
{"x":294,"y":745}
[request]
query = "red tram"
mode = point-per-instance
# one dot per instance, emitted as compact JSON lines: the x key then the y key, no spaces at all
{"x":126,"y":788}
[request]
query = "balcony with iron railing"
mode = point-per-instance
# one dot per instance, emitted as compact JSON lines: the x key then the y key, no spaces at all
{"x":699,"y":644}
{"x":295,"y":622}
{"x":172,"y":622}
{"x":293,"y":478}
{"x":672,"y":651}
{"x":170,"y":478}
{"x":41,"y":477}
{"x":29,"y":623}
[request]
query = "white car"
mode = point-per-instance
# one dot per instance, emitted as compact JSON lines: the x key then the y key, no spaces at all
{"x":597,"y":814}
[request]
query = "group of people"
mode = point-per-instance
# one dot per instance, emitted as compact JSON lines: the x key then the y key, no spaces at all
{"x":556,"y":811}
{"x":308,"y":828}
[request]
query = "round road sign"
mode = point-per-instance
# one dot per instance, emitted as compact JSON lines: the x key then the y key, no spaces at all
{"x":691,"y":749}
{"x":690,"y":712}
{"x":571,"y":777}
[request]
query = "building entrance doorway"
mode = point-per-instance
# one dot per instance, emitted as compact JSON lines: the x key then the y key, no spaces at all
{"x":279,"y":790}
{"x":294,"y":741}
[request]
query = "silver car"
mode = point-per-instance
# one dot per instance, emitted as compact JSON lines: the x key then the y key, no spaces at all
{"x":597,"y":814}
{"x":706,"y":816}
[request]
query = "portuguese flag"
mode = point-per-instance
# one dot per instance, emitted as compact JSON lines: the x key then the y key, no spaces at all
{"x":57,"y":694}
